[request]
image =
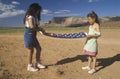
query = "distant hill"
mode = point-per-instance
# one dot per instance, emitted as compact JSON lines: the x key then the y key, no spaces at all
{"x":110,"y":19}
{"x":77,"y":21}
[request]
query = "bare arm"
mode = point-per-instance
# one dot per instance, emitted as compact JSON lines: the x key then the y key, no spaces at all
{"x":31,"y":23}
{"x":35,"y":27}
{"x":93,"y":36}
{"x":97,"y":29}
{"x":41,"y":29}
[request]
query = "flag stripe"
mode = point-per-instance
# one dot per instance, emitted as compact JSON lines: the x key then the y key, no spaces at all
{"x":71,"y":35}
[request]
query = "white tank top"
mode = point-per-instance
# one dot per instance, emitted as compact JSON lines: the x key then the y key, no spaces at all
{"x":34,"y":19}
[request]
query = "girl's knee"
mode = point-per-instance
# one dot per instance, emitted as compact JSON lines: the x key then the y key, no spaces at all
{"x":30,"y":50}
{"x":94,"y":58}
{"x":38,"y":49}
{"x":90,"y":58}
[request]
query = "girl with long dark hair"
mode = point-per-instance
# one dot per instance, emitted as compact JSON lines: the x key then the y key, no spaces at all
{"x":31,"y":21}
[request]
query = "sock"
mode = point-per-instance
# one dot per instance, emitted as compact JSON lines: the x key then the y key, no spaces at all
{"x":29,"y":65}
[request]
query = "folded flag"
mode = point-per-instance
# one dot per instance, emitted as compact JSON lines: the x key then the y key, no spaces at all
{"x":71,"y":35}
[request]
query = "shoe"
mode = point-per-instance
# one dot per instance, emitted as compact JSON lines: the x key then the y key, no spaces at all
{"x":40,"y":66}
{"x":86,"y":68}
{"x":91,"y":71}
{"x":31,"y":68}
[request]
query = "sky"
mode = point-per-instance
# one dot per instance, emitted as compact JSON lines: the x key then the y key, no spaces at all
{"x":12,"y":11}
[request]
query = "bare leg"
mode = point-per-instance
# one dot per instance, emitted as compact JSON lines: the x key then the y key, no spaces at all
{"x":38,"y":53}
{"x":93,"y":66}
{"x":88,"y":67}
{"x":38,"y":62}
{"x":94,"y":62}
{"x":30,"y":65}
{"x":89,"y":61}
{"x":30,"y":55}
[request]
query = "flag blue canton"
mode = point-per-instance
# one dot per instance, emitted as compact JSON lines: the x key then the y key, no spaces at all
{"x":72,"y":35}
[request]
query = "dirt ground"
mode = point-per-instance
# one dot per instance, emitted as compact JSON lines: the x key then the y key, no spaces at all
{"x":63,"y":57}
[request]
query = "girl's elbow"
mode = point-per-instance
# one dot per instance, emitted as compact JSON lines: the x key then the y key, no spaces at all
{"x":32,"y":27}
{"x":99,"y":35}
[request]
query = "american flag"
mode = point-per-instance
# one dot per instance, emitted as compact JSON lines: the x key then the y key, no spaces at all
{"x":71,"y":35}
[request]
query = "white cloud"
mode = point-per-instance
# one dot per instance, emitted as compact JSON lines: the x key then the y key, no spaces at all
{"x":70,"y":14}
{"x":46,"y":11}
{"x":58,"y":13}
{"x":90,"y":1}
{"x":5,"y":7}
{"x":11,"y":13}
{"x":15,"y":2}
{"x":8,"y":10}
{"x":62,"y":12}
{"x":49,"y":12}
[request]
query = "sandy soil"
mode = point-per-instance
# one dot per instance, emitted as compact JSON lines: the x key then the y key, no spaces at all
{"x":63,"y":57}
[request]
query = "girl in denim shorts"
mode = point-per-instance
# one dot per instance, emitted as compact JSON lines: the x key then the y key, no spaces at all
{"x":31,"y":21}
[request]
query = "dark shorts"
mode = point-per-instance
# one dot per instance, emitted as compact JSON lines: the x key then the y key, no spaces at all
{"x":30,"y":39}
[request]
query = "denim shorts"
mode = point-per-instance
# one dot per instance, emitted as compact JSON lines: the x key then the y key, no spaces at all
{"x":30,"y":39}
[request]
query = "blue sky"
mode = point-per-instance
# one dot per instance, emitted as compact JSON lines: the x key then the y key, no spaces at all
{"x":12,"y":11}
